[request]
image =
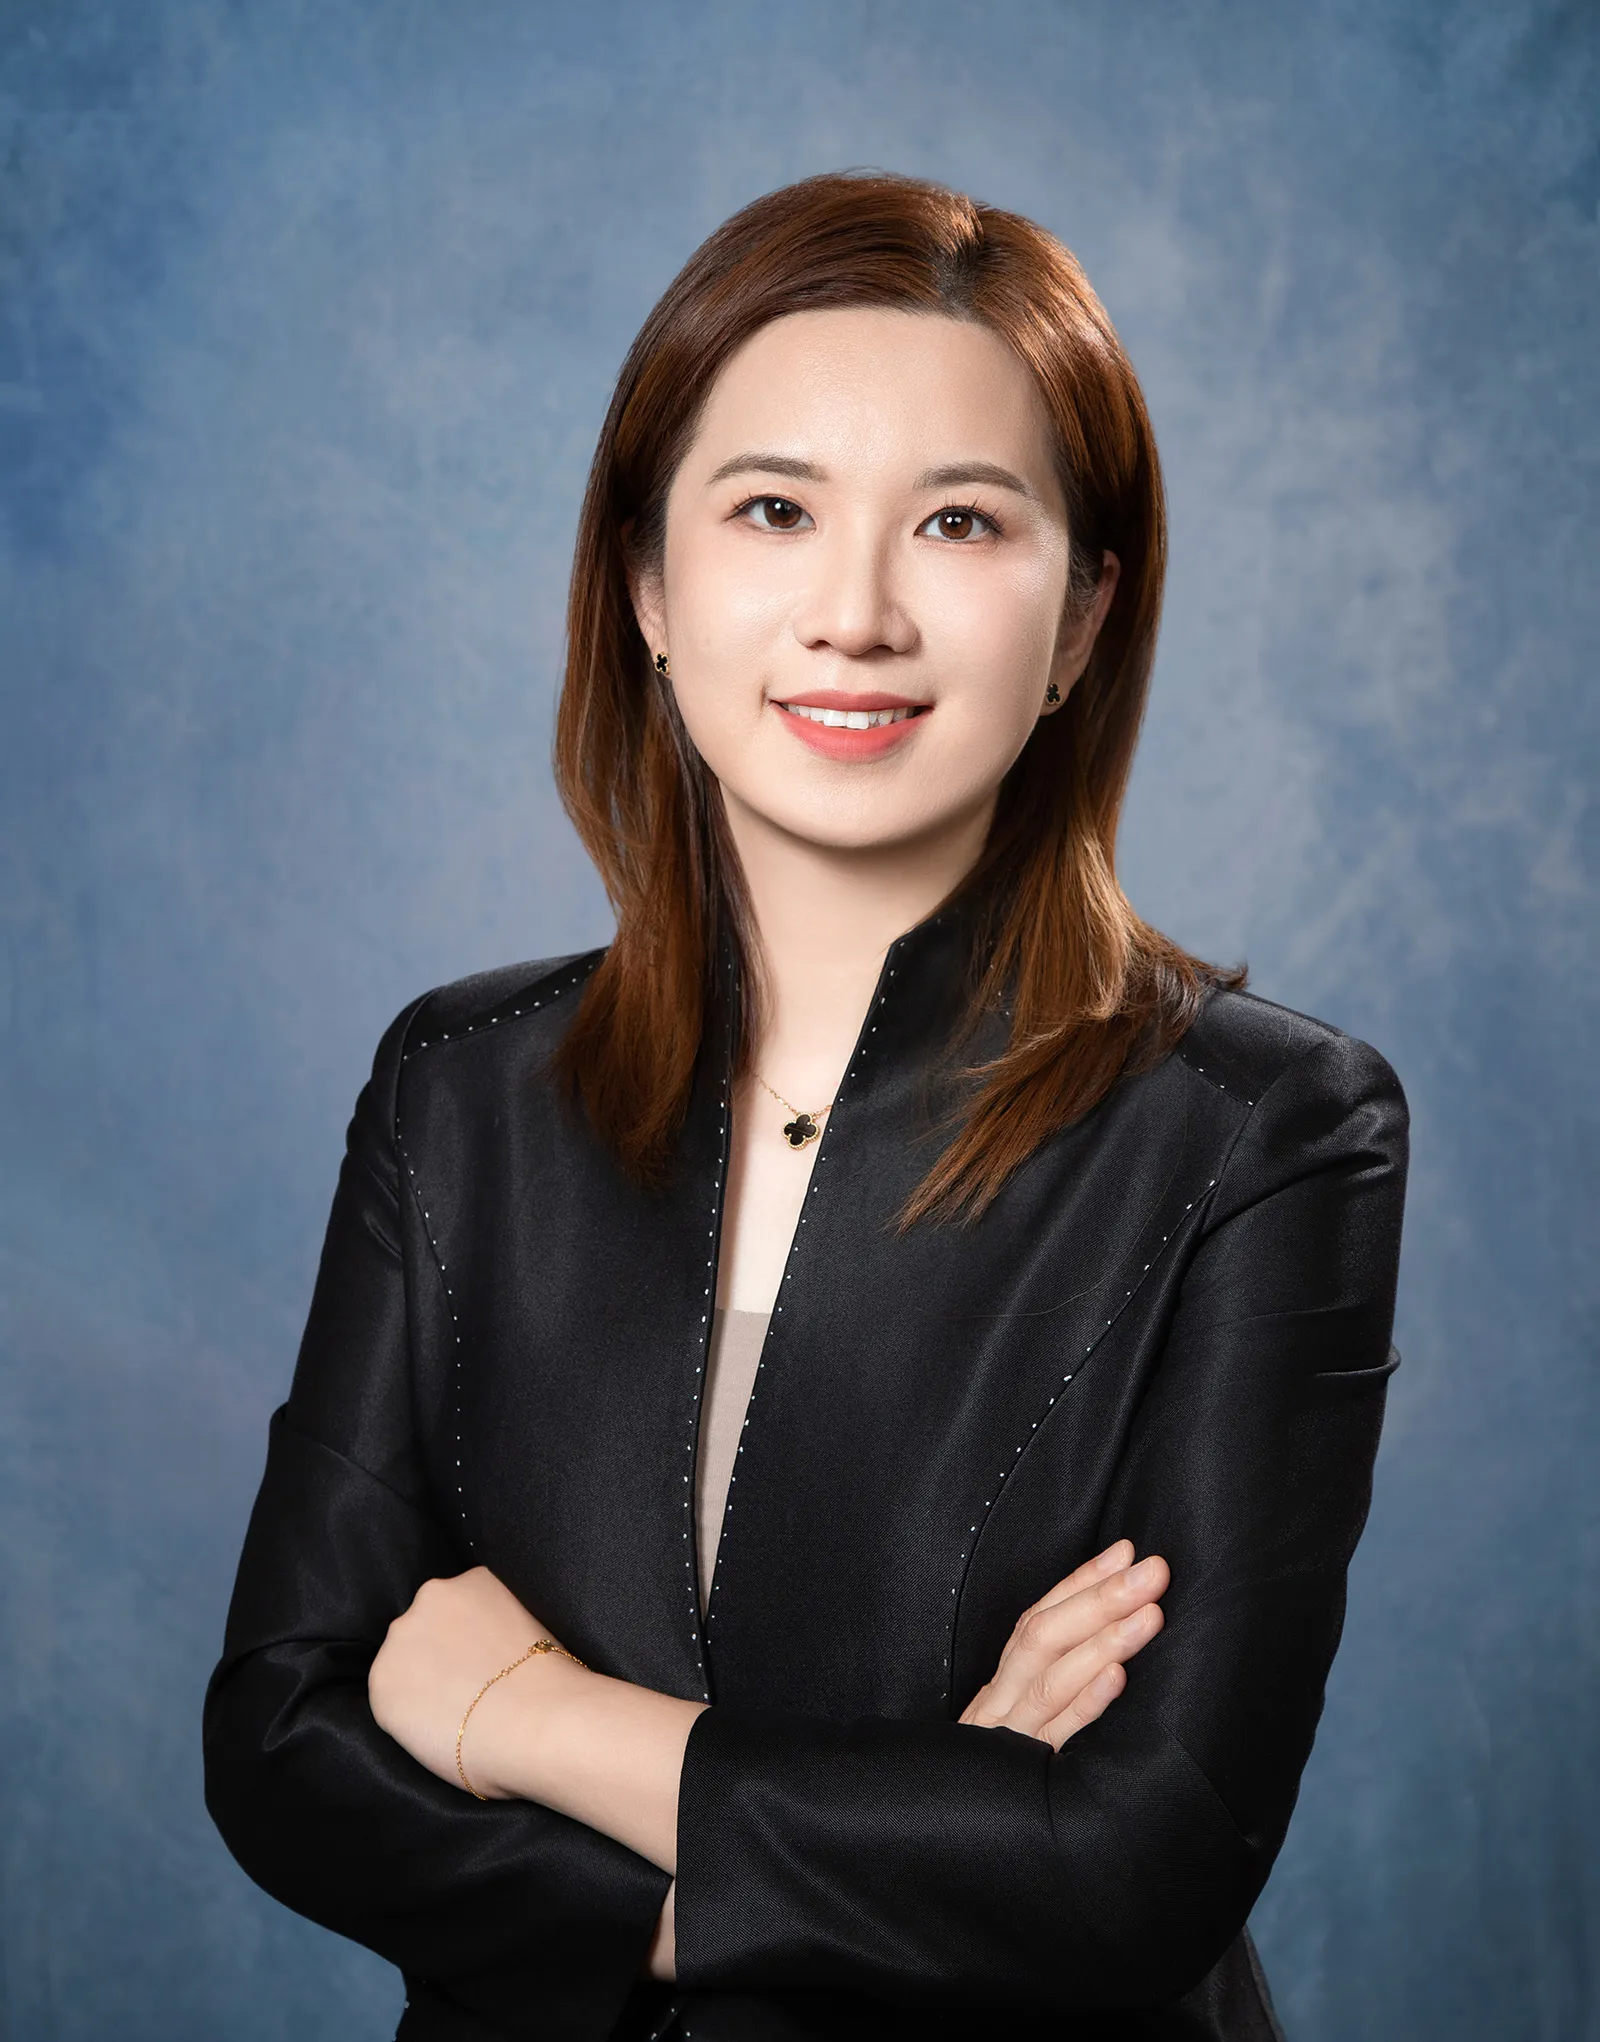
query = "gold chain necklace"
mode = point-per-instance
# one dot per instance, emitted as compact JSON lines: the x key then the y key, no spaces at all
{"x":805,"y":1127}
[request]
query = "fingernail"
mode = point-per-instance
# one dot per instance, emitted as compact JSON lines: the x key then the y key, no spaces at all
{"x":1112,"y":1557}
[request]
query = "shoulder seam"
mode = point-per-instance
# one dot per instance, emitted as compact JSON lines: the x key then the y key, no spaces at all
{"x":1216,"y":1083}
{"x":505,"y":1012}
{"x":1249,"y":1094}
{"x":1310,"y":1050}
{"x":1250,"y":1104}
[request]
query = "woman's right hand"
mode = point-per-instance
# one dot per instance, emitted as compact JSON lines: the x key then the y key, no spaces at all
{"x":1063,"y":1664}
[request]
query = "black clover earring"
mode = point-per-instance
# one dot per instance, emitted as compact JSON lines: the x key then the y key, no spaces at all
{"x":663,"y":666}
{"x":1052,"y":695}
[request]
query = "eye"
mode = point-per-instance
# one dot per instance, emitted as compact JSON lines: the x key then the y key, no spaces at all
{"x":774,"y":514}
{"x":959,"y":522}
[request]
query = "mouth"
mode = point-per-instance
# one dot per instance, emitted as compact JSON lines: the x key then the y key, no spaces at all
{"x":852,"y":726}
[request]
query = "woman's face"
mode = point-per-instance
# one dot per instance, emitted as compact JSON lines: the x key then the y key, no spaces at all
{"x":867,"y":526}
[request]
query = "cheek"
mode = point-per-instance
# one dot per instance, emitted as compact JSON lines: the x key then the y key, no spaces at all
{"x":712,"y":717}
{"x":723,"y":597}
{"x":721,"y":628}
{"x":994,"y":636}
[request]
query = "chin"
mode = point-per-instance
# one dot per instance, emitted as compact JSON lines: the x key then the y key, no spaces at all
{"x":888,"y":827}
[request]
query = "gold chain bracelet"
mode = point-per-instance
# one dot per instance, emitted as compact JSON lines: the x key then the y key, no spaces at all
{"x":538,"y":1645}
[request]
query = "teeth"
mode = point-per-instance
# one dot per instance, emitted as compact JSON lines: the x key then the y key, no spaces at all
{"x":847,"y":719}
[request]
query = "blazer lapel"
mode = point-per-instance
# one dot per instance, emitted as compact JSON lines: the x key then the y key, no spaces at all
{"x":585,"y":1323}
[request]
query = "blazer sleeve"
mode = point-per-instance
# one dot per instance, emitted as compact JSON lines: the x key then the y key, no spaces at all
{"x":531,"y":1921}
{"x":938,"y":1860}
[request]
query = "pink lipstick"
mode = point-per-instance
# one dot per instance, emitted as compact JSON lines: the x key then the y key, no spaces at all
{"x":851,"y":726}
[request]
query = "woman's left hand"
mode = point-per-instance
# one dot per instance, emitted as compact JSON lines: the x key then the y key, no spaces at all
{"x":457,"y":1634}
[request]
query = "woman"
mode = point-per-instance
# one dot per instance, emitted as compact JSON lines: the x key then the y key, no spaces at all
{"x":881,"y":1296}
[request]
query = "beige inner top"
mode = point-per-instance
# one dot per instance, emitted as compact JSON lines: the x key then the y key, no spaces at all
{"x":736,"y":1340}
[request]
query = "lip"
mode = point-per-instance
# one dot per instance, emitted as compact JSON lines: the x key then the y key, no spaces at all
{"x":836,"y":698}
{"x":850,"y":745}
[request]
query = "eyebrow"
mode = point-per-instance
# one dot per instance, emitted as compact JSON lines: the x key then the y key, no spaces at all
{"x":973,"y":471}
{"x":956,"y":476}
{"x":770,"y":464}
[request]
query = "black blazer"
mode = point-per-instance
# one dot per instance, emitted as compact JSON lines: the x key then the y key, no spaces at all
{"x":1174,"y":1325}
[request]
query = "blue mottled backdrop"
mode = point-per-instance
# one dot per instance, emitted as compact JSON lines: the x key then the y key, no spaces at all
{"x":308,"y":315}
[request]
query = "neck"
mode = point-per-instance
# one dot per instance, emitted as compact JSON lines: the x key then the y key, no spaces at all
{"x":824,"y":918}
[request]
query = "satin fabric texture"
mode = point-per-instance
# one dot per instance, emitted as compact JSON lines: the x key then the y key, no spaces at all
{"x":1172,"y":1326}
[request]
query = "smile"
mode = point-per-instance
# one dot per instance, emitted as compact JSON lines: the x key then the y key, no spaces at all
{"x":853,"y":729}
{"x":850,"y":719}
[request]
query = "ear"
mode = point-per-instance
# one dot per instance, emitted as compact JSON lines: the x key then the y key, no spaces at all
{"x":649,"y":607}
{"x":1079,"y":632}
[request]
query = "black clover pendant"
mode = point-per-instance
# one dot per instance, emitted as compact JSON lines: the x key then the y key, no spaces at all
{"x":800,"y":1130}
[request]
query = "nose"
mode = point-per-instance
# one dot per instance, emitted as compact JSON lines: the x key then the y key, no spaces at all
{"x":851,"y":605}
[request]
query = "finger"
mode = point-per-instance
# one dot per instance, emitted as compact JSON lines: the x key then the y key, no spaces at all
{"x":1060,"y":1683}
{"x":1123,"y":1639}
{"x":1047,"y":1634}
{"x":1111,"y":1561}
{"x":1086,"y":1707}
{"x":1029,"y":1706}
{"x":1060,"y":1621}
{"x":1129,"y":1635}
{"x":979,"y":1709}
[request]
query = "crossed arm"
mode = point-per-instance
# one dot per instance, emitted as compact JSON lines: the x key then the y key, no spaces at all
{"x":898,"y":1857}
{"x":610,"y":1754}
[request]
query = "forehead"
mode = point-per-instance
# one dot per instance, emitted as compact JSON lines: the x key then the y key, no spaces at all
{"x":866,"y":389}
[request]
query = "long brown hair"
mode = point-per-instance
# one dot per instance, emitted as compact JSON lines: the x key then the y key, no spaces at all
{"x":1092,"y":989}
